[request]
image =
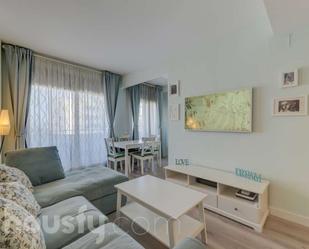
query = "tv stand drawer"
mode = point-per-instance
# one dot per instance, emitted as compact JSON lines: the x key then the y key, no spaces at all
{"x":239,"y":209}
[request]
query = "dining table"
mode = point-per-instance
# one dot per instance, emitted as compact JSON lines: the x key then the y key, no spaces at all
{"x":131,"y":145}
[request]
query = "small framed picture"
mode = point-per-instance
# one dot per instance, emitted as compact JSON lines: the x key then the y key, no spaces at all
{"x":174,"y":88}
{"x":290,"y":79}
{"x":174,"y":112}
{"x":290,"y":106}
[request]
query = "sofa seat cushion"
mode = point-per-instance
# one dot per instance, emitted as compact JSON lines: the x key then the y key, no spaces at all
{"x":93,"y":183}
{"x":69,"y":220}
{"x":108,"y":236}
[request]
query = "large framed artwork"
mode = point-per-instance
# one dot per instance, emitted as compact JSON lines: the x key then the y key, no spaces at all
{"x":220,"y":112}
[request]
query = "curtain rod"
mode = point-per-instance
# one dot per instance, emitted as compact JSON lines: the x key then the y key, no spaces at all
{"x":148,"y":84}
{"x":56,"y":60}
{"x":66,"y":63}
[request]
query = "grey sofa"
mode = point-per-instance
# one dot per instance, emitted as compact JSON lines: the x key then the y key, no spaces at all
{"x":95,"y":183}
{"x":100,"y":235}
{"x":70,"y":200}
{"x":52,"y":185}
{"x":74,"y":208}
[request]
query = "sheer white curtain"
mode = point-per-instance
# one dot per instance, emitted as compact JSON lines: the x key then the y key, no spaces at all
{"x":148,"y":122}
{"x":67,"y":110}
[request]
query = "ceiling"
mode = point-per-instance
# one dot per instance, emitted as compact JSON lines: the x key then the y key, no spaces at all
{"x":128,"y":35}
{"x":288,"y":16}
{"x":161,"y":81}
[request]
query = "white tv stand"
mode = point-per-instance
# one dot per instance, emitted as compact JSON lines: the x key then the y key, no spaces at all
{"x":221,"y":197}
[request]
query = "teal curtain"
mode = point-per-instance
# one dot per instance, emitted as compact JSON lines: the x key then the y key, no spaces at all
{"x":111,"y":85}
{"x":135,"y":102}
{"x":161,"y":96}
{"x":163,"y":113}
{"x":16,"y":80}
{"x":159,"y":104}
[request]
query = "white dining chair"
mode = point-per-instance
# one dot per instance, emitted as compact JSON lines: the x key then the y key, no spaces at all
{"x":145,"y":154}
{"x":124,"y":137}
{"x":156,"y":150}
{"x":113,"y":156}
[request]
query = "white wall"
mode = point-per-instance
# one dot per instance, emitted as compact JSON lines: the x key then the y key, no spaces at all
{"x":144,"y":76}
{"x":278,"y":147}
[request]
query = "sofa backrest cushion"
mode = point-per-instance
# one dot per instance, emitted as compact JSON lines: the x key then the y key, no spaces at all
{"x":41,"y":165}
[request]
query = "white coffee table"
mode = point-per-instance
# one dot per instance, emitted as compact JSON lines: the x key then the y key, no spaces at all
{"x":160,"y":207}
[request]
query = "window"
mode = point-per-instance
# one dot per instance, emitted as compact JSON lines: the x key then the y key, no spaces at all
{"x":67,"y":110}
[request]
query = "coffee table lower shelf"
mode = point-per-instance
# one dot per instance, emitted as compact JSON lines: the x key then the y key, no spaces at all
{"x":157,"y":226}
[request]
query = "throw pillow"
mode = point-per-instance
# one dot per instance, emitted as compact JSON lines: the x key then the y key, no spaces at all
{"x":19,"y":229}
{"x":18,"y":193}
{"x":11,"y":174}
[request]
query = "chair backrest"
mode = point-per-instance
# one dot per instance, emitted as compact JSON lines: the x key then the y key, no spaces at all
{"x":155,"y":136}
{"x":110,"y":146}
{"x":153,"y":139}
{"x":148,"y":139}
{"x":147,"y":147}
{"x":124,"y":137}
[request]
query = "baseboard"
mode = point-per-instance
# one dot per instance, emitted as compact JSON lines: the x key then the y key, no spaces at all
{"x":299,"y":219}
